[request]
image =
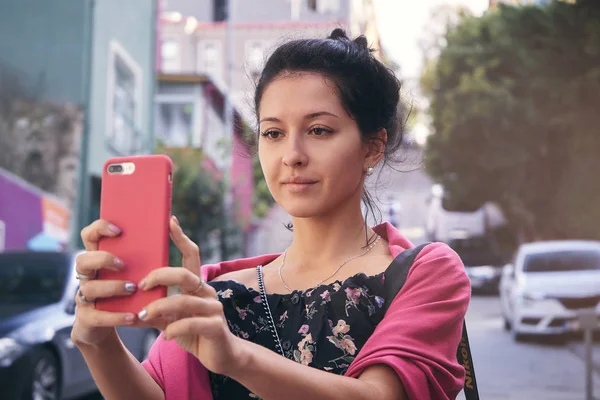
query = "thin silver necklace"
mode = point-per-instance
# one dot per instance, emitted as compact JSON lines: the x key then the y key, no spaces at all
{"x":332,"y":275}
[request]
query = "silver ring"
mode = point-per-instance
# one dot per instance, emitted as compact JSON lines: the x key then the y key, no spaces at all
{"x":84,"y":277}
{"x":82,"y":298}
{"x":199,"y":286}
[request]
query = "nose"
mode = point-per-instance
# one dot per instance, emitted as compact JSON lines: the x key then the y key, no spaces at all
{"x":295,"y":153}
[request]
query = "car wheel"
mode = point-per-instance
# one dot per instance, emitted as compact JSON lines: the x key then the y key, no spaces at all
{"x":506,"y":325}
{"x":44,"y":382}
{"x":517,"y":336}
{"x":147,"y":342}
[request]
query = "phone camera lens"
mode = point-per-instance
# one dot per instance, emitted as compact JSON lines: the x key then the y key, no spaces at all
{"x":115,"y":169}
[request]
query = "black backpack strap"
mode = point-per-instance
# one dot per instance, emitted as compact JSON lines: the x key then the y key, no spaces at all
{"x":397,"y":272}
{"x":395,"y":277}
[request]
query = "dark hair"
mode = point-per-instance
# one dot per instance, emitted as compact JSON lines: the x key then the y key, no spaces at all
{"x":368,"y":90}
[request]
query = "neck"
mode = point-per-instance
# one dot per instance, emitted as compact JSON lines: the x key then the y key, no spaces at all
{"x":327,"y":239}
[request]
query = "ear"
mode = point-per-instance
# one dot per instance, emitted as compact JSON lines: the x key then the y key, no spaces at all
{"x":375,"y":149}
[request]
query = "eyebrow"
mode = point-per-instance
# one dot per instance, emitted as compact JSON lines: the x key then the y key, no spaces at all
{"x":307,"y":117}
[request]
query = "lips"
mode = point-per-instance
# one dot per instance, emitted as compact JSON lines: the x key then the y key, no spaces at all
{"x":298,"y":180}
{"x":299,"y":184}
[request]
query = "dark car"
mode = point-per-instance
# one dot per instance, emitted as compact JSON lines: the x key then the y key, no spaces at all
{"x":38,"y":359}
{"x":482,"y":264}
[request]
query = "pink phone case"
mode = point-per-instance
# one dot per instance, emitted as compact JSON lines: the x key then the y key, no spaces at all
{"x":139,"y":203}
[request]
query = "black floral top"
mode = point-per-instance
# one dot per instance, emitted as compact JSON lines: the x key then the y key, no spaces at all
{"x":324,"y":327}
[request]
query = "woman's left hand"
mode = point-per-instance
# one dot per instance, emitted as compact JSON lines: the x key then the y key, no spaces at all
{"x":194,"y":318}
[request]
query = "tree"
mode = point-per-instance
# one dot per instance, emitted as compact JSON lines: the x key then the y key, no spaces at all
{"x":262,"y":200}
{"x":514,"y":97}
{"x":198,"y":203}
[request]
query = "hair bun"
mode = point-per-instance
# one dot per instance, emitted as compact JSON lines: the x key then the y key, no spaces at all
{"x":337,"y":34}
{"x":362,"y":42}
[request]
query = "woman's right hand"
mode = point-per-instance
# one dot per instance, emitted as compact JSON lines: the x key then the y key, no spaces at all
{"x":93,"y":326}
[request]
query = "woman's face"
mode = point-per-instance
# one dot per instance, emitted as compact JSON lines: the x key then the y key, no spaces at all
{"x":310,"y":149}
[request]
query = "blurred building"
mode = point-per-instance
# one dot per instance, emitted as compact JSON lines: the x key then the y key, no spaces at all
{"x":190,"y":112}
{"x":203,"y":56}
{"x":194,"y":35}
{"x":494,"y":3}
{"x":97,"y":56}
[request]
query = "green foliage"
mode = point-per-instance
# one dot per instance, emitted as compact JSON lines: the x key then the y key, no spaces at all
{"x":263,"y":200}
{"x":198,"y":203}
{"x":514,"y":105}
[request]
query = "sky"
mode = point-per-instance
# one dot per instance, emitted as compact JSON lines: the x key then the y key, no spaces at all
{"x":402,"y":23}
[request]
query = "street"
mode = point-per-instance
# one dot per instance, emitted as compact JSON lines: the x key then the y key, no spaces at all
{"x":506,"y":370}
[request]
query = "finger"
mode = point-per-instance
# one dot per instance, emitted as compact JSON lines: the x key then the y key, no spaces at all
{"x":178,"y":305}
{"x":171,"y":276}
{"x":92,"y":233}
{"x":159,"y":323}
{"x":91,"y":261}
{"x":208,"y":327}
{"x":189,"y":250}
{"x":96,"y":318}
{"x":93,"y":290}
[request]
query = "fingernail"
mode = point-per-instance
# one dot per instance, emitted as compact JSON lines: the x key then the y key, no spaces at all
{"x":113,"y":229}
{"x":176,"y":220}
{"x":130,"y":287}
{"x":142,"y":284}
{"x":143,"y":314}
{"x":129,"y":317}
{"x":118,"y":262}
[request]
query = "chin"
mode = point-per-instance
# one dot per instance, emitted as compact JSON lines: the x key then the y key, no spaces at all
{"x":303,"y":208}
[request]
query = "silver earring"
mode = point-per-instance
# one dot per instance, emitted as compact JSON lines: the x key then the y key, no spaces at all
{"x":370,"y":170}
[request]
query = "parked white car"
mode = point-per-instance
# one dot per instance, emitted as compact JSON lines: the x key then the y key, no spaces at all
{"x":543,"y":278}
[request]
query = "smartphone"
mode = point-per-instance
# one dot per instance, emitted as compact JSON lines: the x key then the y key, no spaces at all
{"x":136,"y":196}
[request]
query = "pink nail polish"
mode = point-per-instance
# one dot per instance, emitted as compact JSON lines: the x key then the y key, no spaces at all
{"x":113,"y":228}
{"x":129,"y":317}
{"x":142,"y":284}
{"x":176,"y":220}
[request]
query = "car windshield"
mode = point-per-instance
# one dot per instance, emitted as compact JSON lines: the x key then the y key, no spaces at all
{"x":572,"y":260}
{"x":475,"y":251}
{"x":33,"y":279}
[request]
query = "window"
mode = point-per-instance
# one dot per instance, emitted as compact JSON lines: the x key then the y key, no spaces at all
{"x":124,"y":99}
{"x":174,"y":123}
{"x":325,"y":6}
{"x":210,"y":58}
{"x":255,"y":56}
{"x":560,"y":261}
{"x":170,"y":56}
{"x":30,"y":279}
{"x":219,"y":10}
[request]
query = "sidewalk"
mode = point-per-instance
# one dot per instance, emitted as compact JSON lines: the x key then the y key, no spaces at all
{"x":578,"y":349}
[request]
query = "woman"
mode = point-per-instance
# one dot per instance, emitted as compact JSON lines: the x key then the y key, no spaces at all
{"x":311,"y":322}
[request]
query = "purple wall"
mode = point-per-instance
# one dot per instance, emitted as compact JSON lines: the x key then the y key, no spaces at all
{"x":21,"y":211}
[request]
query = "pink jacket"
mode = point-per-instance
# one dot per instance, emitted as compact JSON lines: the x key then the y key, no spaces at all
{"x":418,"y":336}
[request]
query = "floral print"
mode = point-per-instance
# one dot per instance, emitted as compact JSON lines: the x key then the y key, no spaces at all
{"x":323,"y":327}
{"x":344,"y":342}
{"x":225,"y":294}
{"x":304,"y":354}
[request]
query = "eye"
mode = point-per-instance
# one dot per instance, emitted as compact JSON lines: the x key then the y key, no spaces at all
{"x":319,"y":131}
{"x":271,"y":134}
